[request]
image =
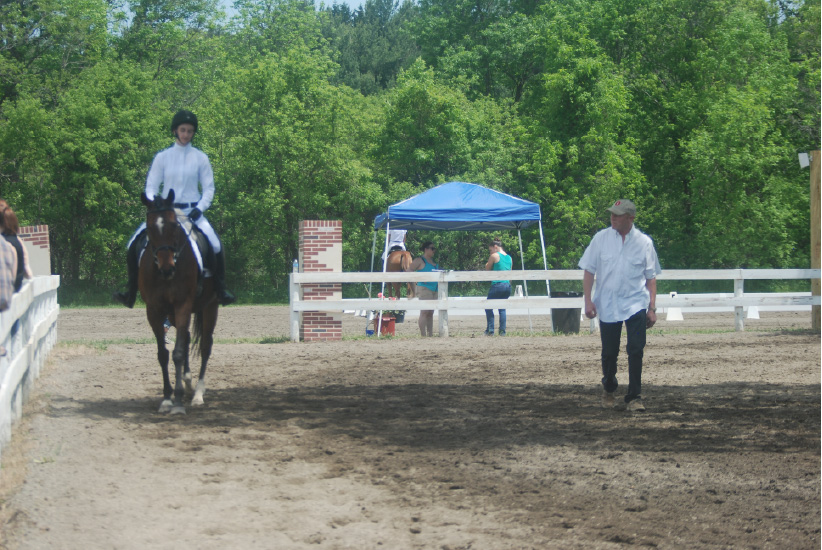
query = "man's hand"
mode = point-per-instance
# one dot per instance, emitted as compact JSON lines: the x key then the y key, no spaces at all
{"x":195,"y":214}
{"x":590,"y":310}
{"x":650,"y":318}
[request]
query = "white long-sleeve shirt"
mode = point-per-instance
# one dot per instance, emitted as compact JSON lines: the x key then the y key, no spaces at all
{"x":185,"y":169}
{"x":621,"y":269}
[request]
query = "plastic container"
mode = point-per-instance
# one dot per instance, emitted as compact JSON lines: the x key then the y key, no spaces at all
{"x":566,"y":320}
{"x":388,"y":326}
{"x":369,"y":332}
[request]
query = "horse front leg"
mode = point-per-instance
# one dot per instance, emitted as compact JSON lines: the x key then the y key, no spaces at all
{"x":187,"y":377}
{"x":156,"y":320}
{"x":180,"y":356}
{"x":208,"y":318}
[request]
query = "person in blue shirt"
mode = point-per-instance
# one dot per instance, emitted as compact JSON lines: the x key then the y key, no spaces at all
{"x":498,"y":260}
{"x":426,"y":291}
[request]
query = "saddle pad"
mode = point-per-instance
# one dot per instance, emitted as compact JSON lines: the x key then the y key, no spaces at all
{"x":192,"y":238}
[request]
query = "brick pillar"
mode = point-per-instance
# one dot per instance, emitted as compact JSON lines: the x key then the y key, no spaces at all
{"x":320,"y":250}
{"x":36,"y":240}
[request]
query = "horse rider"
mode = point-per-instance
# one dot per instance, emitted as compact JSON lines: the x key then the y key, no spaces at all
{"x":396,"y":241}
{"x":185,"y":169}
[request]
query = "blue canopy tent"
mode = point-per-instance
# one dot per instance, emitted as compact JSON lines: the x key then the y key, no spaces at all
{"x":459,"y":206}
{"x":462,"y":207}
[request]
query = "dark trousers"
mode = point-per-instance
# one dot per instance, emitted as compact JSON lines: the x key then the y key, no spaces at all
{"x":611,"y":334}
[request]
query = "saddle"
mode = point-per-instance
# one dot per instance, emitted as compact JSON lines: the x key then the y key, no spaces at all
{"x":199,"y":239}
{"x":206,"y":257}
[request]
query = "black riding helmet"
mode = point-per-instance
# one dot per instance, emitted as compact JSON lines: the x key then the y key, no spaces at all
{"x":183,"y":117}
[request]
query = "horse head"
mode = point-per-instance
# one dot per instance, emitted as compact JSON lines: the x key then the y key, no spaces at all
{"x":165,"y":235}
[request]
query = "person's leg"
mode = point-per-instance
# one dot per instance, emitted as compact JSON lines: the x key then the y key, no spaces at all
{"x":636,"y":331}
{"x":128,"y":297}
{"x":504,"y":292}
{"x":426,"y":321}
{"x":223,"y":295}
{"x":489,"y":321}
{"x":489,"y":313}
{"x":610,"y":334}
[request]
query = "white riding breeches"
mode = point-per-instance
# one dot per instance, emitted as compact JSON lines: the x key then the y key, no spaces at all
{"x":201,"y":223}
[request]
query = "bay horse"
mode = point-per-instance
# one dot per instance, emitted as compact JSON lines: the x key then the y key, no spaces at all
{"x":399,"y":260}
{"x":168,"y":283}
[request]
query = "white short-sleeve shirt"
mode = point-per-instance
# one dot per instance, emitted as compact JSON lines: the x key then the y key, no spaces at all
{"x":621,"y":270}
{"x":396,"y":237}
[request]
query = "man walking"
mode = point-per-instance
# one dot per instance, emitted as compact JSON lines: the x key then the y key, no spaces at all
{"x":625,"y":264}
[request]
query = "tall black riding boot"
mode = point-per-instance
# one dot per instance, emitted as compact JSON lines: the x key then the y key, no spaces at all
{"x":128,"y":297}
{"x":223,"y":295}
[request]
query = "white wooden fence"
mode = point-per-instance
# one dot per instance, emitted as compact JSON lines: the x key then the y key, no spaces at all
{"x":28,"y":331}
{"x":444,"y":303}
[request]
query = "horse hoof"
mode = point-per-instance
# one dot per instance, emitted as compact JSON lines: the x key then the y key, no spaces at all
{"x":197,"y":400}
{"x":165,"y":406}
{"x":178,"y":409}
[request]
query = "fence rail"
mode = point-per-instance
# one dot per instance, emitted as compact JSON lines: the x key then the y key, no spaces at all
{"x":445,"y":303}
{"x":28,"y":331}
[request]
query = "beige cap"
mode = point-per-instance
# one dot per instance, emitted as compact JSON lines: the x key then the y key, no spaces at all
{"x":623,"y":206}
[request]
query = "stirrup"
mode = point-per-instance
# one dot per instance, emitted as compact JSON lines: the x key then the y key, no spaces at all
{"x":225,"y":298}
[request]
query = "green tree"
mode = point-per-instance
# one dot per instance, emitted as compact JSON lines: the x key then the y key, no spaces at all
{"x":284,"y":148}
{"x":373,"y":43}
{"x":80,"y":167}
{"x":579,"y":151}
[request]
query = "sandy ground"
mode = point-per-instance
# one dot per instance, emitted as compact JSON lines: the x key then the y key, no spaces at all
{"x":458,"y":443}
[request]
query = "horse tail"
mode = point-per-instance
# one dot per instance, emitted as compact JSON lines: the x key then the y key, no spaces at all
{"x":197,"y":333}
{"x":405,"y":261}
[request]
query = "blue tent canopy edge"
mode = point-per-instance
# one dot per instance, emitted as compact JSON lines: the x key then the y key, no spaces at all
{"x":460,"y":206}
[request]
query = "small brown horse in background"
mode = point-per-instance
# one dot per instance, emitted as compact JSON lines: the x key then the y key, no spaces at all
{"x":168,"y":284}
{"x":399,"y":260}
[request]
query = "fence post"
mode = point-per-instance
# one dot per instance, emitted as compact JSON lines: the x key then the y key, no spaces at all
{"x":442,"y":314}
{"x":815,"y":234}
{"x":293,"y":298}
{"x":739,"y":289}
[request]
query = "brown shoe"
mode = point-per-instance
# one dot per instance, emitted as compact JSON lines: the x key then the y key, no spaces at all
{"x":608,"y":400}
{"x":635,"y":405}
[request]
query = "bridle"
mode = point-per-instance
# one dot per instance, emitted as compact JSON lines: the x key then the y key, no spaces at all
{"x":175,"y":249}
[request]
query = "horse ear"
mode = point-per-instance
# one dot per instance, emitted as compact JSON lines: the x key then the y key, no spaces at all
{"x":170,"y":197}
{"x":144,"y":198}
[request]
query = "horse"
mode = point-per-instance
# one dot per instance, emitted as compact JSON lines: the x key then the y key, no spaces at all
{"x":399,"y":260}
{"x":168,"y":282}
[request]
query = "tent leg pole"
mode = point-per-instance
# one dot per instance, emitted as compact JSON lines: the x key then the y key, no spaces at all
{"x":525,"y":283}
{"x":373,"y":249}
{"x":544,"y":259}
{"x":384,"y":268}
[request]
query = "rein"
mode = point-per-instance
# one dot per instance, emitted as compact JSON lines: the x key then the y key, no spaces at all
{"x":175,"y":249}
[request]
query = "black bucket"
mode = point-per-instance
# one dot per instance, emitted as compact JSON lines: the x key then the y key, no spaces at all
{"x":566,"y":320}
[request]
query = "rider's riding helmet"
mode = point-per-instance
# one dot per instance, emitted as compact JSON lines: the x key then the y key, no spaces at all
{"x":183,"y":117}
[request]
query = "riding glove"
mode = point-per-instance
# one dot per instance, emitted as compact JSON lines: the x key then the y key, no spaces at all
{"x":195,"y":214}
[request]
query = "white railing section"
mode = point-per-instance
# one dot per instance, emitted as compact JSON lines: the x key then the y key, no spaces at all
{"x":739,"y":300}
{"x":28,"y":331}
